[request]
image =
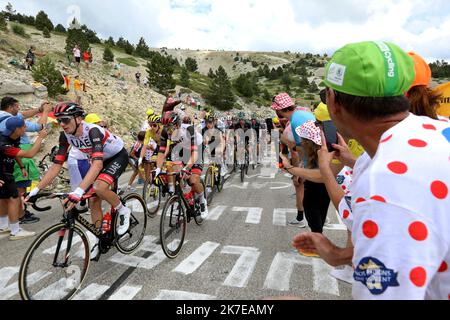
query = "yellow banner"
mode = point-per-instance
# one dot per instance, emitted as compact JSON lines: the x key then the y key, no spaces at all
{"x":444,"y":108}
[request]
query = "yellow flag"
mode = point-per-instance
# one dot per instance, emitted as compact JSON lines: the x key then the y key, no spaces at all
{"x":444,"y":108}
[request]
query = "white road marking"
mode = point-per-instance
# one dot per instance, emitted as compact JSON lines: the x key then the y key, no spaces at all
{"x":243,"y":269}
{"x":281,"y":185}
{"x":197,"y":258}
{"x":253,"y":216}
{"x":280,"y":216}
{"x":49,"y":293}
{"x":134,"y":261}
{"x":92,"y":292}
{"x":323,"y":281}
{"x":126,"y":292}
{"x":280,"y":272}
{"x":216,"y":212}
{"x":182,"y":295}
{"x":13,"y":289}
{"x":243,"y":186}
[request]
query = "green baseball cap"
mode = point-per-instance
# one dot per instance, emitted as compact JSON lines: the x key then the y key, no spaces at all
{"x":370,"y":69}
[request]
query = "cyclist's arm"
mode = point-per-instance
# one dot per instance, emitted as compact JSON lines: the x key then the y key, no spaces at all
{"x":194,"y":151}
{"x":96,"y":138}
{"x":60,"y":158}
{"x":162,"y":149}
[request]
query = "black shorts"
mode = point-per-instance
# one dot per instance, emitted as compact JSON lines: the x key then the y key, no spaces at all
{"x":114,"y":167}
{"x":78,"y":59}
{"x":9,"y":188}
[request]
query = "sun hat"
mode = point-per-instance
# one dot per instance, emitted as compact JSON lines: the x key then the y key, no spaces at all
{"x":282,"y":101}
{"x":322,"y":113}
{"x":370,"y":69}
{"x":311,"y":132}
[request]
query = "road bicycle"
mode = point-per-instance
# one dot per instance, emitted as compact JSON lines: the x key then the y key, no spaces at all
{"x":57,"y":262}
{"x":178,"y":211}
{"x":213,"y":180}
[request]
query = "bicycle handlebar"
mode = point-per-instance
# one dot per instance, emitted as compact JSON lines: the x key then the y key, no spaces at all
{"x":34,"y":199}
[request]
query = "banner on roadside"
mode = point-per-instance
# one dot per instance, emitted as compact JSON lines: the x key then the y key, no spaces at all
{"x":444,"y":108}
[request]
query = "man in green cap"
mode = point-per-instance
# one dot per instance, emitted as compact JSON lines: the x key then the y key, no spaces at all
{"x":398,"y":208}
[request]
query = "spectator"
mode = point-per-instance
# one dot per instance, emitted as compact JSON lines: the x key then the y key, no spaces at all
{"x":86,"y":58}
{"x":134,"y":161}
{"x":79,"y":89}
{"x":10,"y":107}
{"x":77,"y":55}
{"x":400,"y":197}
{"x":30,"y":59}
{"x":10,"y":201}
{"x":138,"y":78}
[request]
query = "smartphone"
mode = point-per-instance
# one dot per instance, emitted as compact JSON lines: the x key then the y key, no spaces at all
{"x":330,"y":132}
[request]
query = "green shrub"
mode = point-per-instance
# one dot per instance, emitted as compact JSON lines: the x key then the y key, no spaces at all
{"x":108,"y":55}
{"x":19,"y":30}
{"x":46,"y":33}
{"x":131,"y":62}
{"x":3,"y":25}
{"x":46,"y":73}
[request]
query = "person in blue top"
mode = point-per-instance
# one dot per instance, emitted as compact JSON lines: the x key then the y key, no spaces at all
{"x":10,"y":107}
{"x":285,"y":108}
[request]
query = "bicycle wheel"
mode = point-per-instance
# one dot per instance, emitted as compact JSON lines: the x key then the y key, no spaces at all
{"x":152,"y":197}
{"x":44,"y":274}
{"x":130,"y":241}
{"x":172,"y":228}
{"x":219,"y":180}
{"x":209,"y":185}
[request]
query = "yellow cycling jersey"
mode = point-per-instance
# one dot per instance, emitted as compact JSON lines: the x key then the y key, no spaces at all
{"x":150,"y":135}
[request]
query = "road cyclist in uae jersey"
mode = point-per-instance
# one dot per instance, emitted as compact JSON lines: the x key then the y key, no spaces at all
{"x":108,"y":157}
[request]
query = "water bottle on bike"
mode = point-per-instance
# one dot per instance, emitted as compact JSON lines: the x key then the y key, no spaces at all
{"x":106,"y":224}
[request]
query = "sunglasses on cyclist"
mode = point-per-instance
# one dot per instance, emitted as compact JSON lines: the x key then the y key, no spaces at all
{"x":64,"y":120}
{"x":154,"y":125}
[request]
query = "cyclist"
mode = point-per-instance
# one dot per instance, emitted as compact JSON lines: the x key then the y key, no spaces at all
{"x":150,"y":112}
{"x":108,"y":159}
{"x":256,"y":125}
{"x":243,"y":130}
{"x":213,"y":139}
{"x":151,"y":142}
{"x":184,"y":151}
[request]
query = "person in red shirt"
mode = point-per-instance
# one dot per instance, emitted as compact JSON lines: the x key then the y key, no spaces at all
{"x":86,"y":58}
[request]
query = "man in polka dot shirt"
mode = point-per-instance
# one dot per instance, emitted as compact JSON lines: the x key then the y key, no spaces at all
{"x":400,"y":200}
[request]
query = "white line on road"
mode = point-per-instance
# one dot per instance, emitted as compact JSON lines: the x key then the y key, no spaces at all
{"x":243,"y":269}
{"x":323,"y":282}
{"x":126,"y":292}
{"x":279,"y":216}
{"x":244,"y":186}
{"x":92,"y":292}
{"x":280,"y":272}
{"x":197,"y":258}
{"x":253,"y":216}
{"x":215,"y":213}
{"x":182,"y":295}
{"x":134,"y":261}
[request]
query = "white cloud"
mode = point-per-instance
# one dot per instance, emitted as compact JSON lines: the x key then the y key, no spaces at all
{"x":264,"y":25}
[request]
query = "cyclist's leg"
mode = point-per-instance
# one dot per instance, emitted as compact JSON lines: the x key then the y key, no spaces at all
{"x":112,"y":170}
{"x":198,"y":189}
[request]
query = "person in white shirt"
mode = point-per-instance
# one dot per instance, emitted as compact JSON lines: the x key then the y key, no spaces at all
{"x":400,"y":191}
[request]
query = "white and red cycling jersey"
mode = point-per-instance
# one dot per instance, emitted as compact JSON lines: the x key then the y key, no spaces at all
{"x":95,"y":142}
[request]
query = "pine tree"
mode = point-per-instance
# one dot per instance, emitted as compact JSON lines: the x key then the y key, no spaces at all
{"x":3,"y":25}
{"x":191,"y":64}
{"x":184,"y":78}
{"x":266,"y":95}
{"x":142,"y":49}
{"x":160,"y":73}
{"x":46,"y":73}
{"x":60,"y":28}
{"x":244,"y":86}
{"x":9,"y":11}
{"x":286,"y":81}
{"x":42,"y":21}
{"x":211,"y":74}
{"x":46,"y":33}
{"x":76,"y":36}
{"x":110,"y":42}
{"x":90,"y":34}
{"x":220,"y":94}
{"x":108,"y":55}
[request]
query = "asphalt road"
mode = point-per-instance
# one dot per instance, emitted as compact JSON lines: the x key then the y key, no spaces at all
{"x":242,"y":252}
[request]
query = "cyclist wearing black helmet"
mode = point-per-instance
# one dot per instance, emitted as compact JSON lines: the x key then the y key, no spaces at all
{"x":108,"y":157}
{"x":186,"y":143}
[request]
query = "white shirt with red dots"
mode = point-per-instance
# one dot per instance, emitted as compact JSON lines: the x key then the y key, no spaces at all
{"x":401,"y":214}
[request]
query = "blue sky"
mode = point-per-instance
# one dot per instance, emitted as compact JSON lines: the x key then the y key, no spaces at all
{"x":261,"y":25}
